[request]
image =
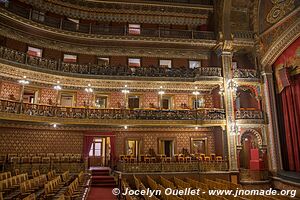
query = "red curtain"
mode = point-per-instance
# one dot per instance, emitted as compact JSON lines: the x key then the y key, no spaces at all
{"x":87,"y":143}
{"x":291,"y":113}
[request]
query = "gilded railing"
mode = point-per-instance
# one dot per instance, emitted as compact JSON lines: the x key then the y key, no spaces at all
{"x":244,"y":35}
{"x":15,"y":107}
{"x":249,"y":114}
{"x":103,"y":70}
{"x":245,"y":73}
{"x":92,"y":28}
{"x":200,"y":166}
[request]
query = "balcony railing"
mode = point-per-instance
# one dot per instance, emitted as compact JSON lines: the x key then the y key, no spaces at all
{"x":198,"y":2}
{"x":245,"y":73}
{"x":201,"y":166}
{"x":249,"y":114}
{"x":92,"y":69}
{"x":101,"y":29}
{"x":244,"y":35}
{"x":14,"y":107}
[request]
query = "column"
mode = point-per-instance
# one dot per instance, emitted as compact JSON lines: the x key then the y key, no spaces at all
{"x":229,"y":108}
{"x":271,"y":129}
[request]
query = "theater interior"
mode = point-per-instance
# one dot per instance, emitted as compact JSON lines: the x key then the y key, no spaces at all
{"x":98,"y":97}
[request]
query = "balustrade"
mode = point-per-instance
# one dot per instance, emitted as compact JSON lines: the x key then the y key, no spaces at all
{"x":245,"y":73}
{"x":8,"y":106}
{"x":249,"y":114}
{"x":200,"y":166}
{"x":119,"y":70}
{"x":244,"y":35}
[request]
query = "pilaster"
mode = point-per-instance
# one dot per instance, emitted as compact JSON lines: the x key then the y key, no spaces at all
{"x":272,"y":131}
{"x":226,"y":56}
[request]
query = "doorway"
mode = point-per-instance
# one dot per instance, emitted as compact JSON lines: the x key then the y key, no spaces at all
{"x":167,"y":147}
{"x":248,"y":141}
{"x":30,"y":96}
{"x":99,"y":154}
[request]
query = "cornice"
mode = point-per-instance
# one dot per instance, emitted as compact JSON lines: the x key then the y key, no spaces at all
{"x":285,"y":39}
{"x":41,"y":78}
{"x":120,"y":12}
{"x":101,"y":128}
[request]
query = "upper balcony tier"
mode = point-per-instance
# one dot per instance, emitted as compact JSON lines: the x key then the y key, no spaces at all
{"x":42,"y":64}
{"x":84,"y":115}
{"x":188,"y":2}
{"x":105,"y":29}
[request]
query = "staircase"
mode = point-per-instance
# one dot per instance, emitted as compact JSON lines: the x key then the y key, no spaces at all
{"x":101,"y":178}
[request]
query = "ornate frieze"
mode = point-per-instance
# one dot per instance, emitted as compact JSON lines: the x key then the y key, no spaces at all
{"x":279,"y":10}
{"x":102,"y":128}
{"x":120,"y":12}
{"x":46,"y":79}
{"x":275,"y":42}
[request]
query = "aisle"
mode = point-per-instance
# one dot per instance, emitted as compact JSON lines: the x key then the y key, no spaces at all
{"x":101,"y":193}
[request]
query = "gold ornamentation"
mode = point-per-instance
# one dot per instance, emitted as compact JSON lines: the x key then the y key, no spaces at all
{"x":121,"y":12}
{"x":279,"y":10}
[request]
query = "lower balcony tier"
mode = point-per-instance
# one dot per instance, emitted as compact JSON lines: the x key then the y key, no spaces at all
{"x":34,"y":112}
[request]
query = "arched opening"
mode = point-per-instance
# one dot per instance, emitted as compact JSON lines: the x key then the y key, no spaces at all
{"x":247,"y":99}
{"x":250,"y":144}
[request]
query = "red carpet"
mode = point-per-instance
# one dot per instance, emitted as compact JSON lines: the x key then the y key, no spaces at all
{"x":98,"y":193}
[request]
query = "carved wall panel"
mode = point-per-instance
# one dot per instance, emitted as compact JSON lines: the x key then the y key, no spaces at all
{"x":150,"y":98}
{"x":84,"y":98}
{"x":47,"y":95}
{"x":27,"y":141}
{"x":116,"y":100}
{"x":7,"y":89}
{"x":180,"y":99}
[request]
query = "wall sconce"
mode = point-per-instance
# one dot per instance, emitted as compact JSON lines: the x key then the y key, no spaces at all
{"x":24,"y":81}
{"x":57,"y":87}
{"x":125,"y":91}
{"x":232,"y":85}
{"x":161,"y":93}
{"x":89,"y":89}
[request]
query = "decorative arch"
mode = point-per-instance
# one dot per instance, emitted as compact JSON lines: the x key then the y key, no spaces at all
{"x":255,"y":133}
{"x":291,"y":34}
{"x":247,"y":98}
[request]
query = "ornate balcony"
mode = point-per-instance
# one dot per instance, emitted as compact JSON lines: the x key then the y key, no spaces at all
{"x":92,"y":69}
{"x":245,"y":73}
{"x":96,"y":29}
{"x":28,"y":109}
{"x":249,"y":114}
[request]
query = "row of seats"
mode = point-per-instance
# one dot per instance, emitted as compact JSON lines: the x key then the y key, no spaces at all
{"x":9,"y":185}
{"x":5,"y":175}
{"x":31,"y":185}
{"x":39,"y":187}
{"x":40,"y":158}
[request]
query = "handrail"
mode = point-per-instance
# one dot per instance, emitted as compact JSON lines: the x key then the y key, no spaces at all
{"x":249,"y":114}
{"x":98,"y":29}
{"x":105,"y":70}
{"x":41,"y":110}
